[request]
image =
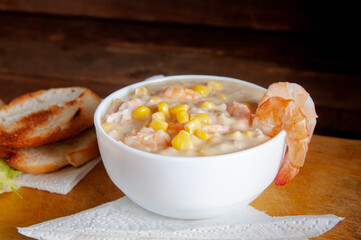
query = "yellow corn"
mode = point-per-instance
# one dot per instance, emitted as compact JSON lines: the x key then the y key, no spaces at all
{"x":141,"y":112}
{"x":207,"y":105}
{"x":139,"y":91}
{"x":106,"y":126}
{"x":182,"y":116}
{"x":201,"y":134}
{"x":221,"y":96}
{"x":192,"y":125}
{"x":213,"y":85}
{"x":174,"y":110}
{"x":163,"y":107}
{"x":248,"y":133}
{"x":201,"y":89}
{"x":159,"y":116}
{"x":158,"y":125}
{"x":156,"y":99}
{"x":202,"y":117}
{"x":182,"y":141}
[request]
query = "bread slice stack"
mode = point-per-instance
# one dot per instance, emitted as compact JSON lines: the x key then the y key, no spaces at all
{"x":46,"y":130}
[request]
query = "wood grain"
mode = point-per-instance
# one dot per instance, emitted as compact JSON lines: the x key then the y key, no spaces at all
{"x":328,"y":52}
{"x":89,"y":50}
{"x":108,"y":44}
{"x":108,"y":54}
{"x":281,"y":15}
{"x":329,"y":183}
{"x":28,"y":66}
{"x":37,"y":206}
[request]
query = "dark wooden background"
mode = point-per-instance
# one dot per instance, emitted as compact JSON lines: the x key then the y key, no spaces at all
{"x":108,"y":44}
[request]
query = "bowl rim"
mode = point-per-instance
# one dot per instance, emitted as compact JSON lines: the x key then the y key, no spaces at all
{"x":107,"y":100}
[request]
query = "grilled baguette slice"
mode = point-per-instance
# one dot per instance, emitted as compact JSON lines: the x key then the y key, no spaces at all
{"x":47,"y":116}
{"x":2,"y":104}
{"x":51,"y":157}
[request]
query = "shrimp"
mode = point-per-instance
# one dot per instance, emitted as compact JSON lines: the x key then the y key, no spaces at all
{"x":287,"y":106}
{"x":239,"y":110}
{"x":215,"y":128}
{"x":124,"y":113}
{"x":147,"y":137}
{"x":299,"y":95}
{"x":206,"y":127}
{"x":180,"y":93}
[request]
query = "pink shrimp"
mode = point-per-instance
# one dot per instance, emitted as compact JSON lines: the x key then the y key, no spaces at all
{"x":147,"y":137}
{"x":206,"y":127}
{"x":215,"y":128}
{"x":124,"y":113}
{"x":180,"y":93}
{"x":241,"y":111}
{"x":287,"y":106}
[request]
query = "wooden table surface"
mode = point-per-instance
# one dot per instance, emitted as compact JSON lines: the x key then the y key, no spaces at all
{"x":329,"y":183}
{"x":44,"y":51}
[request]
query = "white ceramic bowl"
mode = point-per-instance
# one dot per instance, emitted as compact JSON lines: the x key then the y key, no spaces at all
{"x":188,"y":187}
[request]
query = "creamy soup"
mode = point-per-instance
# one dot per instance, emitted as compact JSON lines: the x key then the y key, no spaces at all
{"x":194,"y":117}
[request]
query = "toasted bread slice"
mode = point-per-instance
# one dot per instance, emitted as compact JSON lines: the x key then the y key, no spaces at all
{"x":51,"y":157}
{"x":2,"y":104}
{"x":47,"y":116}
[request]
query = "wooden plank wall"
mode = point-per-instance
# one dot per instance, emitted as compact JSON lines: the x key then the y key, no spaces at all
{"x":297,"y":15}
{"x":107,"y":44}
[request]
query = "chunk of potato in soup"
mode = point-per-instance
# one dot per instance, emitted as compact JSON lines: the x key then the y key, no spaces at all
{"x":195,"y":117}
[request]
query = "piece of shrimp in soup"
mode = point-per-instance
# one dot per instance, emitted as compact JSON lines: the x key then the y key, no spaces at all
{"x":180,"y":93}
{"x":147,"y":138}
{"x":287,"y":106}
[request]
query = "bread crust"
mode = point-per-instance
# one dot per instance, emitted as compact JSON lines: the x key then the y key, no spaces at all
{"x":52,"y":123}
{"x":51,"y":157}
{"x":2,"y":104}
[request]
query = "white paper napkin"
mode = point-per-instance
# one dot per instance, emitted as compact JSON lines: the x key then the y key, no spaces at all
{"x":122,"y":219}
{"x":61,"y":181}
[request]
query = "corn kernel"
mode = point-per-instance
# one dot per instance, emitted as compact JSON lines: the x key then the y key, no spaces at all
{"x":174,"y":110}
{"x":106,"y":126}
{"x":221,"y":96}
{"x":248,"y":133}
{"x":202,"y":117}
{"x":159,"y":116}
{"x":207,"y":105}
{"x":158,"y":125}
{"x":140,"y":91}
{"x":182,"y":116}
{"x":182,"y":141}
{"x":163,"y":107}
{"x":213,"y":139}
{"x":201,"y":89}
{"x":213,"y":85}
{"x":193,"y":125}
{"x":201,"y":134}
{"x":156,"y":99}
{"x":141,"y":112}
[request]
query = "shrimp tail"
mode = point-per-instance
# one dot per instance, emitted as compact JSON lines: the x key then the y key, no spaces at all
{"x":286,"y":172}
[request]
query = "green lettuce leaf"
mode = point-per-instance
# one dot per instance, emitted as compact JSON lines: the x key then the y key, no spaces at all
{"x":7,"y":178}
